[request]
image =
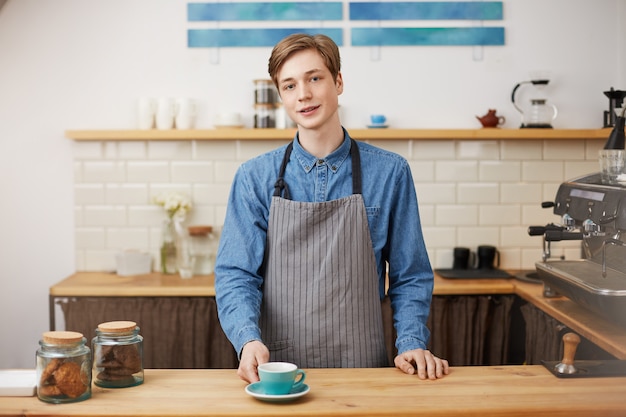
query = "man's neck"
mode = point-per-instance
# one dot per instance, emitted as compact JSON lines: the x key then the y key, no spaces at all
{"x":321,"y":142}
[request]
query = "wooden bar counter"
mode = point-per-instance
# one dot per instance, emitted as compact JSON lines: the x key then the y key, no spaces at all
{"x":606,"y":335}
{"x":468,"y":391}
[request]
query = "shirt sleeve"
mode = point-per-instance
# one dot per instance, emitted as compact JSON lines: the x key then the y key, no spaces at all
{"x":238,"y":279}
{"x":410,"y":272}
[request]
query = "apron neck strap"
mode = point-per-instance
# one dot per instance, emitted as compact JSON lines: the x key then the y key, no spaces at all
{"x":280,"y":183}
{"x":357,"y":186}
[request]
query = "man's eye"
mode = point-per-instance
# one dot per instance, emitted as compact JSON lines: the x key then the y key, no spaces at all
{"x":315,"y":79}
{"x":288,"y":87}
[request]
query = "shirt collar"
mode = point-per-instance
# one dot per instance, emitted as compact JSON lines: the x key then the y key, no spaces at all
{"x":334,"y":160}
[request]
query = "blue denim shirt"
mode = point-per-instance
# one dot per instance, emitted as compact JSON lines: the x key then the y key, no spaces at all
{"x":394,"y":223}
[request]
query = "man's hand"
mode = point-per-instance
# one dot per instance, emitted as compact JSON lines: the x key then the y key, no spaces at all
{"x":428,"y":365}
{"x":252,"y":355}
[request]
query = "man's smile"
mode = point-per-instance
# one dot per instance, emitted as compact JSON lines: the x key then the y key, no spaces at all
{"x":308,"y":109}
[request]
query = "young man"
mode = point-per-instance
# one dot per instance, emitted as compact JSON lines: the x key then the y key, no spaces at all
{"x":309,"y":229}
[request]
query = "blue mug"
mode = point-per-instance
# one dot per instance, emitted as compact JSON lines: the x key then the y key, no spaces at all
{"x":378,"y":119}
{"x":280,"y":378}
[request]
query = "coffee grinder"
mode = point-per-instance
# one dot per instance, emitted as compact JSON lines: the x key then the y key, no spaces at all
{"x":616,"y":98}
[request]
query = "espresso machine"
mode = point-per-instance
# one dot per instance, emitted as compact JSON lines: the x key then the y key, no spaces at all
{"x":595,"y":213}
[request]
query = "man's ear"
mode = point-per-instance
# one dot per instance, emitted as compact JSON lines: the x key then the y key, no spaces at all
{"x":339,"y":84}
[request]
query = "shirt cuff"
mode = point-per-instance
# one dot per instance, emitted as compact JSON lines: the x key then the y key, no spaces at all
{"x":246,"y":335}
{"x":409,"y":343}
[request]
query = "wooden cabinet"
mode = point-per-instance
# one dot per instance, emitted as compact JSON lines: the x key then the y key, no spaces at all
{"x":473,"y":321}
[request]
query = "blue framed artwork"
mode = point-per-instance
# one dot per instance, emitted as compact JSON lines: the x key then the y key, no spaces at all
{"x":427,"y":10}
{"x":211,"y":38}
{"x":427,"y":36}
{"x":266,"y":11}
{"x":316,"y":12}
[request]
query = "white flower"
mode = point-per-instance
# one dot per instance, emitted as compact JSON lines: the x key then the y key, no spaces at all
{"x":175,"y":204}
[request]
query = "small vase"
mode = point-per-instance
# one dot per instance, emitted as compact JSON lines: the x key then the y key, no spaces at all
{"x":168,"y":247}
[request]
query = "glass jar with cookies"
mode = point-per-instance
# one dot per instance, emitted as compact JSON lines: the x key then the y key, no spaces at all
{"x":118,"y":355}
{"x":63,"y":368}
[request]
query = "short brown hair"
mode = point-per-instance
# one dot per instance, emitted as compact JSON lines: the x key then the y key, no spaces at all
{"x":298,"y":42}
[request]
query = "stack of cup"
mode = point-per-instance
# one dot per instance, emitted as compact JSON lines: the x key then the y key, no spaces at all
{"x":165,"y":113}
{"x":612,"y":162}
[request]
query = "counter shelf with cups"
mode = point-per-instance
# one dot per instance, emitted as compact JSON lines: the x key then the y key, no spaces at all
{"x":166,"y":113}
{"x":483,"y":263}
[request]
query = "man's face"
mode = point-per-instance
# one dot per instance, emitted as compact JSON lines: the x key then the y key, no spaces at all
{"x":309,"y":93}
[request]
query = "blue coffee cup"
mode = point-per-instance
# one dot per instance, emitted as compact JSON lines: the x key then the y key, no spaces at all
{"x":378,"y":119}
{"x":280,"y":378}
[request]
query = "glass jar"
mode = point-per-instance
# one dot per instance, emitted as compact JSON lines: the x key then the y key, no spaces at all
{"x":63,"y":368}
{"x":203,"y":248}
{"x":118,"y":355}
{"x":264,"y":116}
{"x":264,"y":92}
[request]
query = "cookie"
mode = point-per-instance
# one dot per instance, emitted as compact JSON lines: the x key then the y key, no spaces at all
{"x":69,"y":380}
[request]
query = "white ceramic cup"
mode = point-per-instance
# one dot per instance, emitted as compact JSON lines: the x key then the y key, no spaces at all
{"x":146,"y":109}
{"x":165,"y":114}
{"x":185,"y":109}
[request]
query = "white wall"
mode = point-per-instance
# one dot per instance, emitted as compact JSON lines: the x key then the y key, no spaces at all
{"x":76,"y":64}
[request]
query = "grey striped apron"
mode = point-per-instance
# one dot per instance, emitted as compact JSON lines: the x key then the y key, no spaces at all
{"x":321,"y":305}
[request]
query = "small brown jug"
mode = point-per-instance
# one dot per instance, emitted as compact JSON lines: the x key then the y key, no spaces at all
{"x":491,"y":119}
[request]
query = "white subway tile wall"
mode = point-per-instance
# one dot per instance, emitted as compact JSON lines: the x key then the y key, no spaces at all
{"x":470,"y":192}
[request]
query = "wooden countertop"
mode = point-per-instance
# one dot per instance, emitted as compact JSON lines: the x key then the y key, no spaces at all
{"x":468,"y":391}
{"x":361,"y":134}
{"x":606,"y":335}
{"x":104,"y":284}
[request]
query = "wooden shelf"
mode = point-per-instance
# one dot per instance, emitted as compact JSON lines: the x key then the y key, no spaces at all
{"x":362,"y":134}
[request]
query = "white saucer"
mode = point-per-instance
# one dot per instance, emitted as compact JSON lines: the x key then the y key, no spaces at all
{"x":256,"y":390}
{"x":378,"y":126}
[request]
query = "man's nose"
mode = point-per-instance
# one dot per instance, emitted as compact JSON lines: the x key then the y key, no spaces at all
{"x":304,"y":92}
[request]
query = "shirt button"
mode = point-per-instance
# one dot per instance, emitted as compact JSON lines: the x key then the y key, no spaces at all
{"x":334,"y":168}
{"x":320,"y":162}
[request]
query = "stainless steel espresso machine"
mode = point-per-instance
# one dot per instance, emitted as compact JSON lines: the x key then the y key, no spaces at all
{"x":595,"y":212}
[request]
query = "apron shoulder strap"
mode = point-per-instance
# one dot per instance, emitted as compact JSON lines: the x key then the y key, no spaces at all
{"x":357,"y":185}
{"x":280,"y":183}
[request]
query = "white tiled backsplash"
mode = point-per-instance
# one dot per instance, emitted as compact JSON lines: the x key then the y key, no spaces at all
{"x":470,"y":192}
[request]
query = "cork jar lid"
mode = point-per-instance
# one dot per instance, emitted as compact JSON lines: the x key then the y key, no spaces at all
{"x":62,"y":337}
{"x":117,"y":326}
{"x":200,"y":230}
